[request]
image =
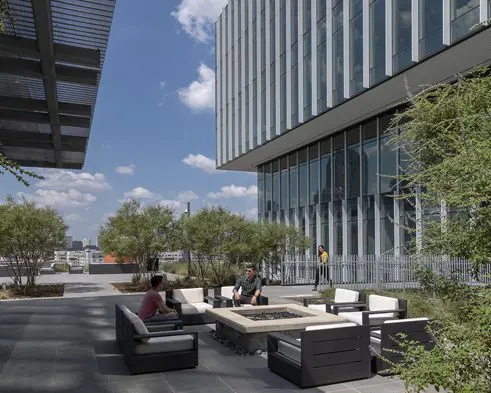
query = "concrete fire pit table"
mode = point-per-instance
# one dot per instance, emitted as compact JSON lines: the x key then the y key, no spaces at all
{"x":236,"y":325}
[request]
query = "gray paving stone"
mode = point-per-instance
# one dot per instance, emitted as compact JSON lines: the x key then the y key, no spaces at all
{"x":67,"y":345}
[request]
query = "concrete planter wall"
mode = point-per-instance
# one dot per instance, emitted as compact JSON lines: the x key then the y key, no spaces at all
{"x":112,"y":268}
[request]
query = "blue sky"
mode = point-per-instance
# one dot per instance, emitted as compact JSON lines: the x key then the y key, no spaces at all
{"x":153,"y":131}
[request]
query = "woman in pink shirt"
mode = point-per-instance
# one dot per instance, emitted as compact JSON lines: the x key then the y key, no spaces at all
{"x":153,"y":307}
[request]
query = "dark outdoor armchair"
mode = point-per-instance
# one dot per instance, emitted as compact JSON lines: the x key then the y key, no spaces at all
{"x":146,"y":352}
{"x":323,"y":355}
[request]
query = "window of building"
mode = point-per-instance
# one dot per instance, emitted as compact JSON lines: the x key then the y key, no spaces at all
{"x":369,"y":157}
{"x":337,"y":221}
{"x":276,"y":185}
{"x":369,"y":225}
{"x":337,"y":52}
{"x":260,"y":191}
{"x":307,"y":60}
{"x":313,"y":229}
{"x":352,"y":226}
{"x":293,"y":187}
{"x":314,"y":175}
{"x":326,"y":171}
{"x":268,"y":185}
{"x":303,"y":178}
{"x":377,"y":41}
{"x":463,"y":15}
{"x":356,"y":46}
{"x":294,"y":62}
{"x":321,"y":56}
{"x":353,"y":139}
{"x":338,"y":157}
{"x":430,"y":27}
{"x":401,"y":19}
{"x":325,"y":225}
{"x":387,"y":224}
{"x":388,"y":157}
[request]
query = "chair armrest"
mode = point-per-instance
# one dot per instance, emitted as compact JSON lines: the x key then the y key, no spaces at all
{"x":168,"y":333}
{"x":283,"y":337}
{"x":337,"y":306}
{"x":213,"y":301}
{"x":365,"y":315}
{"x":173,"y":303}
{"x":177,"y":323}
{"x":316,"y":300}
{"x":228,"y":301}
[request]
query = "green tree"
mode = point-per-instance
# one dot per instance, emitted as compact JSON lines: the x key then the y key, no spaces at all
{"x":28,"y":237}
{"x":137,"y":233}
{"x":220,"y":241}
{"x":446,"y":140}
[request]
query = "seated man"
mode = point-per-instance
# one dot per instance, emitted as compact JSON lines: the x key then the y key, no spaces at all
{"x":153,"y":307}
{"x":251,"y":288}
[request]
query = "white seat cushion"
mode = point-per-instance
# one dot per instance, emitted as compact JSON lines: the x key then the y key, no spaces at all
{"x":346,"y":296}
{"x":137,"y":323}
{"x":330,"y":326}
{"x":195,"y":308}
{"x":229,"y":291}
{"x":318,"y":307}
{"x":357,"y":318}
{"x":407,"y":320}
{"x":188,"y":295}
{"x":380,"y":303}
{"x":290,"y":351}
{"x":165,"y":344}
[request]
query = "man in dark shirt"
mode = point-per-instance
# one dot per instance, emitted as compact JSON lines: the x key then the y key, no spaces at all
{"x":251,"y":288}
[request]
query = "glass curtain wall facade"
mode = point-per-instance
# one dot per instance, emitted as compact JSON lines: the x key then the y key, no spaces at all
{"x":349,"y":178}
{"x":281,"y":63}
{"x":275,"y":60}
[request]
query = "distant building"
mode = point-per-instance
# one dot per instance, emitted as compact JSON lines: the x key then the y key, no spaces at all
{"x":68,"y":244}
{"x":77,"y":245}
{"x":86,"y":242}
{"x":171,"y":256}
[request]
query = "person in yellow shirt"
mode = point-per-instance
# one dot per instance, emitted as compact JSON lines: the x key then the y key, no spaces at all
{"x":323,"y":267}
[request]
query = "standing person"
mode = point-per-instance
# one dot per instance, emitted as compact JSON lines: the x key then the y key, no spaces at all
{"x":153,"y":307}
{"x":323,"y":267}
{"x":251,"y":288}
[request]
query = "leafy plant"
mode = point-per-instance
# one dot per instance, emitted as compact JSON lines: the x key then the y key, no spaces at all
{"x":28,"y":236}
{"x":138,"y":233}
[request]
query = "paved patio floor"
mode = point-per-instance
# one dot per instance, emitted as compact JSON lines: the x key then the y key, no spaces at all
{"x":67,"y":345}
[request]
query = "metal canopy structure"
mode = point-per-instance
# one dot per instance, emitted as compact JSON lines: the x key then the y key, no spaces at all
{"x":51,"y":58}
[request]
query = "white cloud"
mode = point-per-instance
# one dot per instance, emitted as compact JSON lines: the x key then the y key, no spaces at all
{"x":186,"y":196}
{"x":139,"y":193}
{"x":201,"y":162}
{"x":251,"y":213}
{"x":200,"y":94}
{"x":75,"y":217}
{"x":60,"y":200}
{"x":197,"y":17}
{"x":62,"y":179}
{"x":126,"y":169}
{"x":234,"y":191}
{"x":170,"y":203}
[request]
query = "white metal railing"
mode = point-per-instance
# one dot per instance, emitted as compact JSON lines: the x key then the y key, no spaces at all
{"x":385,"y":271}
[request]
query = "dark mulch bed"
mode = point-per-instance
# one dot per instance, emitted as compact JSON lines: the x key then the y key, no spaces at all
{"x":129,"y":287}
{"x":45,"y":290}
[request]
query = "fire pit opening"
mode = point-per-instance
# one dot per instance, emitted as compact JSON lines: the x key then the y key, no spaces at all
{"x":268,"y":316}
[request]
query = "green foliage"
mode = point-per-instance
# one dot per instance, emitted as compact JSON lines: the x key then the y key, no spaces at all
{"x":4,"y":14}
{"x":7,"y":166}
{"x":137,"y":233}
{"x":219,"y":241}
{"x":28,"y":236}
{"x":460,"y":361}
{"x":446,"y":139}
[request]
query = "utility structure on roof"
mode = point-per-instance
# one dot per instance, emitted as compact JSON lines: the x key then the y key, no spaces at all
{"x":51,"y":58}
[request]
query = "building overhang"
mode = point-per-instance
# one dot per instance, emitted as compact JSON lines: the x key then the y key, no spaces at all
{"x":51,"y":58}
{"x":442,"y":67}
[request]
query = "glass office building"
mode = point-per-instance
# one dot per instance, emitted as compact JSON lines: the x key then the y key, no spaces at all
{"x":305,"y":91}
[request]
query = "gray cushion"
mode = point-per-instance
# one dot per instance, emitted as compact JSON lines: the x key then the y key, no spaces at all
{"x":137,"y":323}
{"x":165,"y":344}
{"x":195,"y":308}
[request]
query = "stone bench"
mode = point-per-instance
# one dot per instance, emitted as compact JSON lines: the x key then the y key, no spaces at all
{"x":47,"y":270}
{"x":76,"y":270}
